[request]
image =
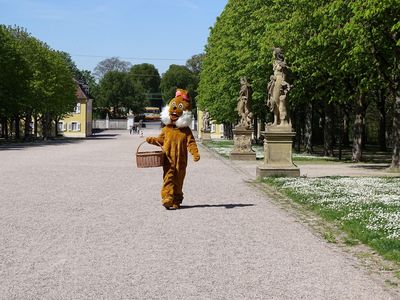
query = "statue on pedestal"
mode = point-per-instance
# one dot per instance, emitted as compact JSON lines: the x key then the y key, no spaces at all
{"x":242,"y":133}
{"x":244,"y":104}
{"x":278,"y":88}
{"x":278,"y":137}
{"x":206,"y":121}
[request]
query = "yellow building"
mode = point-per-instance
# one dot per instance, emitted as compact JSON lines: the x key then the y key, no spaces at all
{"x":79,"y":123}
{"x":217,"y":130}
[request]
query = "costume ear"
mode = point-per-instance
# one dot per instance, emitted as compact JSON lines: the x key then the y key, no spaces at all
{"x":182,"y":93}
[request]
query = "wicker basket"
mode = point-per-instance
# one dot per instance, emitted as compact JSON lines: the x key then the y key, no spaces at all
{"x":149,"y":159}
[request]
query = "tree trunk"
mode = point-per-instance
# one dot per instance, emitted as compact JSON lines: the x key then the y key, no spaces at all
{"x":228,"y":133}
{"x":359,"y":129}
{"x":6,"y":132}
{"x":27,"y":127}
{"x":260,"y":137}
{"x":35,"y":124}
{"x":328,"y":131}
{"x":346,"y":129}
{"x":3,"y":126}
{"x":396,"y":132}
{"x":297,"y":127}
{"x":17,"y":127}
{"x":56,"y":120}
{"x":46,"y":126}
{"x":382,"y":120}
{"x":255,"y":127}
{"x":340,"y":130}
{"x":308,"y":146}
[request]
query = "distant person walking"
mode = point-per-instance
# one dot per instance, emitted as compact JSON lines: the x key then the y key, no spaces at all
{"x":140,"y":125}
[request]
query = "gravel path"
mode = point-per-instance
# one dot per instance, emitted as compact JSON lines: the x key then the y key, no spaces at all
{"x":79,"y":221}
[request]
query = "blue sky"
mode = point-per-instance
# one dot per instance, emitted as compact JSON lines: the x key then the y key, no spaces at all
{"x":162,"y":31}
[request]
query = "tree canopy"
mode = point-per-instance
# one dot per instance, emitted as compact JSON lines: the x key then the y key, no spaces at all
{"x":195,"y":63}
{"x":233,"y":50}
{"x":118,"y":93}
{"x":111,"y":64}
{"x":147,"y":76}
{"x":343,"y":56}
{"x":36,"y":81}
{"x":177,"y":77}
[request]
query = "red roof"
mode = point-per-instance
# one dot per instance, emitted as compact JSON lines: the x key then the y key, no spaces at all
{"x":80,"y":92}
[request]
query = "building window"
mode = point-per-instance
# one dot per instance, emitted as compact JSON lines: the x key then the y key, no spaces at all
{"x":213,"y":128}
{"x":75,"y":126}
{"x":78,"y":108}
{"x":61,"y":126}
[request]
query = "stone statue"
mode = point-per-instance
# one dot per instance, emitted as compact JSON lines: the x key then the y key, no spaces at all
{"x":244,"y":104}
{"x":277,"y":91}
{"x":206,"y":121}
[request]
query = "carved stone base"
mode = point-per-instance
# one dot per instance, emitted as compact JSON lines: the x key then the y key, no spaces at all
{"x":242,"y":156}
{"x":205,"y":135}
{"x":242,"y":145}
{"x":278,"y":153}
{"x":266,"y":171}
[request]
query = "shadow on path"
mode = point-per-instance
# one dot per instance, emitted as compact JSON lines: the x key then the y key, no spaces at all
{"x":371,"y":167}
{"x":227,"y":206}
{"x":102,"y":136}
{"x":17,"y":145}
{"x":38,"y":143}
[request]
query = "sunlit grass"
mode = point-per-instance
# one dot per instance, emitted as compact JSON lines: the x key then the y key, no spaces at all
{"x":367,"y":208}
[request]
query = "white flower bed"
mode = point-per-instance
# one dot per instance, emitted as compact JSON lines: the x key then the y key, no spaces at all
{"x":374,"y":201}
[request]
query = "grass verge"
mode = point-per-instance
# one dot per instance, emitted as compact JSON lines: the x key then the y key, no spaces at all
{"x":367,"y":209}
{"x":224,"y":148}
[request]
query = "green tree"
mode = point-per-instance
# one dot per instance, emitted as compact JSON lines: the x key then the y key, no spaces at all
{"x":84,"y":76}
{"x":146,"y":75}
{"x":343,"y":55}
{"x":77,"y":74}
{"x":62,"y":88}
{"x":36,"y":81}
{"x":194,"y":64}
{"x":50,"y":91}
{"x":88,"y":78}
{"x":233,"y":50}
{"x":14,"y":77}
{"x":177,"y":77}
{"x":118,"y":93}
{"x":330,"y":56}
{"x":374,"y":28}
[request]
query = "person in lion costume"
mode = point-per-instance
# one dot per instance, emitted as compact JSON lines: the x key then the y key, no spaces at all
{"x":177,"y":139}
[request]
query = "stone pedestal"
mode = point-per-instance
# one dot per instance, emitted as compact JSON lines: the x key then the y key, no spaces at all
{"x":278,"y":153}
{"x":242,"y":145}
{"x":205,"y":135}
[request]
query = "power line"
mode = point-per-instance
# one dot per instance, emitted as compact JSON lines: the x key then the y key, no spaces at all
{"x":144,"y":75}
{"x":130,"y":58}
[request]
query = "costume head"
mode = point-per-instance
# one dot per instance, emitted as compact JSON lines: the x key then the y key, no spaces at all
{"x":178,"y":112}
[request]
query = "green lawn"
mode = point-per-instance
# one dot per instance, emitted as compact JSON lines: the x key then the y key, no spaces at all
{"x":367,"y":208}
{"x":224,"y":148}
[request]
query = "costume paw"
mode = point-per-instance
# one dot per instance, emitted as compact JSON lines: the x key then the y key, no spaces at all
{"x":175,"y":206}
{"x":196,"y":157}
{"x":167,"y":203}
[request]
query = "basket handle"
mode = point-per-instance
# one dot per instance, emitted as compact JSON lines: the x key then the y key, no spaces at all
{"x":137,"y":150}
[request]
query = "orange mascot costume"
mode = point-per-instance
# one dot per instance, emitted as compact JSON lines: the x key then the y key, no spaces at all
{"x":176,"y":139}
